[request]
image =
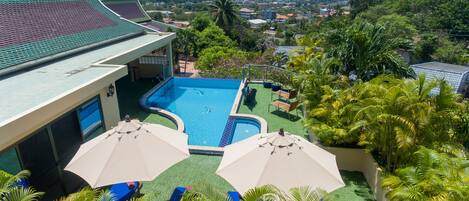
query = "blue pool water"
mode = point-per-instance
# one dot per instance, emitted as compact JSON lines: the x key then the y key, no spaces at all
{"x":203,"y":104}
{"x":244,"y":129}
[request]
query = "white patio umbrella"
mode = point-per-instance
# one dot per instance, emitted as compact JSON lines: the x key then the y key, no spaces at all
{"x":132,"y":151}
{"x":285,"y":161}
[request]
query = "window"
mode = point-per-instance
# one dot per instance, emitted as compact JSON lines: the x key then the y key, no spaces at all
{"x":90,"y":116}
{"x":38,"y":157}
{"x":9,"y":161}
{"x":67,"y":137}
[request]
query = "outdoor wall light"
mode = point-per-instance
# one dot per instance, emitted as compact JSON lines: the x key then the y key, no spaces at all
{"x":111,"y":90}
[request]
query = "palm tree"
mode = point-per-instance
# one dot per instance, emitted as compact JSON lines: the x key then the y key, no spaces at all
{"x":89,"y":194}
{"x":12,"y":192}
{"x":313,"y":73}
{"x":279,"y":59}
{"x":434,"y":176}
{"x":367,"y":51}
{"x":185,"y":44}
{"x":224,"y":12}
{"x":205,"y":192}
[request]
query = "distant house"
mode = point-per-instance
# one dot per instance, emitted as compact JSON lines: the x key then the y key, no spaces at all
{"x":456,"y":75}
{"x":257,"y":23}
{"x":281,"y":18}
{"x":269,"y":15}
{"x":247,"y":13}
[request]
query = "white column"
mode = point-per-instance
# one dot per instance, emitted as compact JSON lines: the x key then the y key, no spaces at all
{"x":110,"y":107}
{"x":169,"y":57}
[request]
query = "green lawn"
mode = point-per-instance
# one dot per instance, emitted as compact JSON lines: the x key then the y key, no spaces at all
{"x":199,"y":169}
{"x":276,"y":119}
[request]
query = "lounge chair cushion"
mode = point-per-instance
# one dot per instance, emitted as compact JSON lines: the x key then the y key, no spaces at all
{"x":177,"y":193}
{"x":122,"y":191}
{"x":234,"y":196}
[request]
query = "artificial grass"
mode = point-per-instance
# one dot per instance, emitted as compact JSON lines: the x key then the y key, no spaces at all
{"x":356,"y":188}
{"x":275,"y":119}
{"x":129,"y":94}
{"x":198,"y":169}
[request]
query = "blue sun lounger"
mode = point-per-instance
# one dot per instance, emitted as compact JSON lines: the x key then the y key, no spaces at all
{"x":122,"y":192}
{"x":234,"y":196}
{"x":177,"y":193}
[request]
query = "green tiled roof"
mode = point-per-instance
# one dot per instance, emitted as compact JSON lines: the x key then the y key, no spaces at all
{"x":34,"y":29}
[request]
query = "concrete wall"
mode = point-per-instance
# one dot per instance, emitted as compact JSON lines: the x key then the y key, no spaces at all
{"x":37,"y":117}
{"x":110,"y":108}
{"x":359,"y":160}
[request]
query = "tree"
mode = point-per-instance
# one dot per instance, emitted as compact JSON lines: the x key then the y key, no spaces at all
{"x":433,"y":176}
{"x":366,"y":51}
{"x":212,"y":36}
{"x":224,"y":13}
{"x":158,"y":16}
{"x":359,"y":6}
{"x":398,"y":26}
{"x":450,"y":52}
{"x":215,"y":56}
{"x":9,"y":189}
{"x":392,"y":117}
{"x":279,"y":59}
{"x":201,"y":22}
{"x":185,"y":43}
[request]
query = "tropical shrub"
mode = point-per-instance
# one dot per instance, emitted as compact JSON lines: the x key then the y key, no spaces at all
{"x":432,"y":176}
{"x":366,"y":51}
{"x":392,"y":117}
{"x":9,"y":189}
{"x":203,"y":192}
{"x":89,"y":194}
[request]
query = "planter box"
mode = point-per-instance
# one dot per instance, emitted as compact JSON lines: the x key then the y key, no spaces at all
{"x":359,"y":160}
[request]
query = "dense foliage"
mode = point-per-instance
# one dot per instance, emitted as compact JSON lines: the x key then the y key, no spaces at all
{"x":11,"y":191}
{"x":263,"y":193}
{"x":432,"y":176}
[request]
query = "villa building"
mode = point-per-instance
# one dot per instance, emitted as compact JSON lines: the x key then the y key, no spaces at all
{"x":59,"y":61}
{"x":247,"y":13}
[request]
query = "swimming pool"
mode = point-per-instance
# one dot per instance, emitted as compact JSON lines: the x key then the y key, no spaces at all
{"x":243,"y":129}
{"x":203,"y":104}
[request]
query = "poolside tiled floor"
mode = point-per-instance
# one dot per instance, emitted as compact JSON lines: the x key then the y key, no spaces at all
{"x":199,"y":169}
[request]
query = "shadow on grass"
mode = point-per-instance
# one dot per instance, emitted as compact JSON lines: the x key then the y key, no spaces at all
{"x":250,"y":99}
{"x":355,"y":185}
{"x":285,"y":115}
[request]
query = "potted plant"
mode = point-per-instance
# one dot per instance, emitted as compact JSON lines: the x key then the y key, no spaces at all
{"x":276,"y":86}
{"x":267,"y":84}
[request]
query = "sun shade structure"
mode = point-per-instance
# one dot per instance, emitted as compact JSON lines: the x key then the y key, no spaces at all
{"x":132,"y":151}
{"x":286,"y":161}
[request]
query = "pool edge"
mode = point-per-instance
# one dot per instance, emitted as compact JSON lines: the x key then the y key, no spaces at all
{"x":156,"y":110}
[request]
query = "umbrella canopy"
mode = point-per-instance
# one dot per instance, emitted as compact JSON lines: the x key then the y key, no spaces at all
{"x":132,"y":151}
{"x":285,"y":161}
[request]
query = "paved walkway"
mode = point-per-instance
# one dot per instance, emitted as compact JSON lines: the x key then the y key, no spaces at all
{"x":190,"y":70}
